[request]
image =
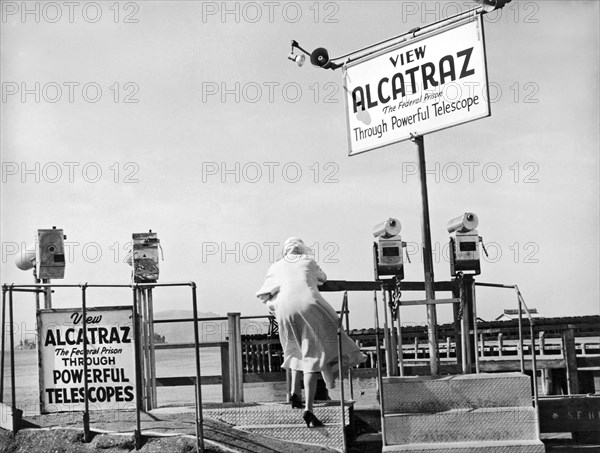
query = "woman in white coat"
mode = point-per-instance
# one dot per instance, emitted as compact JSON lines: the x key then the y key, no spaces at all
{"x":307,"y":324}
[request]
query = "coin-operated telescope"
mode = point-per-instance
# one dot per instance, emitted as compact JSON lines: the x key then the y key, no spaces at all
{"x":144,"y":257}
{"x":464,"y":245}
{"x":387,"y":249}
{"x":47,"y":255}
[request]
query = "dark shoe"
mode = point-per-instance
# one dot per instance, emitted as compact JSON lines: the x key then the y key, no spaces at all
{"x":311,"y":420}
{"x":296,"y":401}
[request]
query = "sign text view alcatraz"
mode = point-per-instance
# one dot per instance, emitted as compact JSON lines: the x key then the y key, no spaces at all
{"x":426,"y":75}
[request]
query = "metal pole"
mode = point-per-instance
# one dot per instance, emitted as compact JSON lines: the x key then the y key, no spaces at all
{"x":47,"y":294}
{"x":533,"y":364}
{"x":464,"y":339}
{"x":475,"y":337}
{"x":521,"y":354}
{"x":456,"y":309}
{"x":379,"y":376}
{"x":392,"y":337}
{"x":153,"y":395}
{"x":400,"y":344}
{"x":348,"y":330}
{"x":4,"y":289}
{"x":145,"y":348}
{"x":13,"y":396}
{"x":434,"y":360}
{"x":386,"y":339}
{"x":86,"y":411}
{"x":341,"y":372}
{"x":137,"y":435}
{"x":198,"y":387}
{"x":37,"y":294}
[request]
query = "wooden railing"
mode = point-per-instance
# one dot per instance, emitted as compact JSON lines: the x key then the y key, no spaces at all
{"x":231,"y":378}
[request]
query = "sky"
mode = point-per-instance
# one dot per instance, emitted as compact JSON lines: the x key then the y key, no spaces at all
{"x":186,"y":118}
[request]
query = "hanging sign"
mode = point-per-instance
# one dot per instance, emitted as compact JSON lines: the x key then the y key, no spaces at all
{"x":110,"y":359}
{"x":417,"y":87}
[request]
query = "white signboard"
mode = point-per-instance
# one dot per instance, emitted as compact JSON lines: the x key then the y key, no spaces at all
{"x":110,"y":359}
{"x":418,"y":87}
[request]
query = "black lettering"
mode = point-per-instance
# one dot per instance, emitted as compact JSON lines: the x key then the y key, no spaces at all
{"x":129,"y":393}
{"x":114,"y":335}
{"x":358,"y":100}
{"x":428,"y":71}
{"x":69,"y":336}
{"x":383,"y":99}
{"x":103,"y":335}
{"x":370,"y":104}
{"x":126,"y":329}
{"x":420,"y":52}
{"x":50,"y":338}
{"x":467,"y":54}
{"x":411,"y":73}
{"x":398,"y":85}
{"x":450,"y":72}
{"x":50,"y":393}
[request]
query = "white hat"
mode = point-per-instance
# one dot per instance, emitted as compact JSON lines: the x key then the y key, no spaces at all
{"x":296,"y":246}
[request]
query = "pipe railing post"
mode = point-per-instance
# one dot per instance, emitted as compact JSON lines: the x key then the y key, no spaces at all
{"x":475,"y":336}
{"x":400,"y":343}
{"x":13,"y":394}
{"x":137,"y":435}
{"x":4,"y":290}
{"x":379,"y":371}
{"x":340,"y":369}
{"x":87,"y":437}
{"x":150,"y":300}
{"x":521,"y":351}
{"x":389,"y":366}
{"x":347,"y":331}
{"x":198,"y":387}
{"x":147,"y":340}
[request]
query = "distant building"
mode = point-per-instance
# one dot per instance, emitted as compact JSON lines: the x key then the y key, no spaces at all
{"x":513,"y":313}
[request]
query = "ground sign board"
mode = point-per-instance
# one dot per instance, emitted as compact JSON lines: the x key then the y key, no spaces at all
{"x":417,"y":87}
{"x":110,"y":359}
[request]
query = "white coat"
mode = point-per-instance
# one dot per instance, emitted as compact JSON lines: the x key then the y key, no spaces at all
{"x":307,"y":323}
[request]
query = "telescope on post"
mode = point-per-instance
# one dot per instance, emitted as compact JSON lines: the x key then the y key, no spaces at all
{"x":144,"y":257}
{"x":47,"y":255}
{"x":464,"y":245}
{"x":388,"y":249}
{"x":47,"y":259}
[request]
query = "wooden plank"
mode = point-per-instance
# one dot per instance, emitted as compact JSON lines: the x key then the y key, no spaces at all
{"x":177,"y":381}
{"x":588,"y":362}
{"x":213,"y":344}
{"x":429,"y":301}
{"x":226,"y":387}
{"x":488,"y":365}
{"x":343,"y":285}
{"x":569,"y":414}
{"x":570,"y":355}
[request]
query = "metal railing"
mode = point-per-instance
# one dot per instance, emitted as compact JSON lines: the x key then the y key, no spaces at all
{"x":379,"y":370}
{"x":340,"y":331}
{"x":521,"y":305}
{"x":136,"y":289}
